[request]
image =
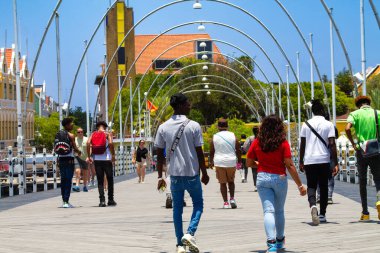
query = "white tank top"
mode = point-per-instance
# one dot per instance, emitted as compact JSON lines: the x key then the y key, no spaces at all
{"x":225,"y":154}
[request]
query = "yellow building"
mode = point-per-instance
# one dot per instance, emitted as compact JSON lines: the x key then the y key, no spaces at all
{"x":8,"y":113}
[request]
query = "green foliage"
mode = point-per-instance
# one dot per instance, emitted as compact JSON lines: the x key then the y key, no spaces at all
{"x":344,"y":81}
{"x":235,"y":125}
{"x":79,"y":117}
{"x":197,"y":116}
{"x":46,"y":129}
{"x":373,"y":87}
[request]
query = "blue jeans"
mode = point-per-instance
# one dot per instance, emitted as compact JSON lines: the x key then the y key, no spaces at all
{"x":66,"y":168}
{"x":193,"y":186}
{"x":272,"y":190}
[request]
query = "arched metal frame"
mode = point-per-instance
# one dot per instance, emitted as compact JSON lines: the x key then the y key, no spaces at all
{"x":207,"y":39}
{"x":172,"y":28}
{"x":38,"y":55}
{"x":191,"y":91}
{"x":247,"y":101}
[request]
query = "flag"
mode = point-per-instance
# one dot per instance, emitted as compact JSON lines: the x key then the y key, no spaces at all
{"x":150,"y":106}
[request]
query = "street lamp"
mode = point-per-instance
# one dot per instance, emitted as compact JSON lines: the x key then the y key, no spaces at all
{"x":208,"y":92}
{"x":206,"y":86}
{"x":201,"y":28}
{"x":204,"y":79}
{"x":197,"y":5}
{"x":204,"y":57}
{"x":202,"y":44}
{"x":205,"y":67}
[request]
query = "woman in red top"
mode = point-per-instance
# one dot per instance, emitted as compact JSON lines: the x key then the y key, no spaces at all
{"x":270,"y":151}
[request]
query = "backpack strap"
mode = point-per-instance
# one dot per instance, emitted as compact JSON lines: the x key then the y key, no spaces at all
{"x":177,"y":138}
{"x":316,"y":134}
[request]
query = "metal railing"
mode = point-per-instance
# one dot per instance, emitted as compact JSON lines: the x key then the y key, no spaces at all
{"x":42,"y":171}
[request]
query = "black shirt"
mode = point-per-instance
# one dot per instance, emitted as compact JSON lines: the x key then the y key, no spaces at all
{"x":141,"y":153}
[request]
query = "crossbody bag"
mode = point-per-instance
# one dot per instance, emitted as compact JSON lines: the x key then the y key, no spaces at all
{"x":371,"y":148}
{"x":317,"y":134}
{"x":175,"y":142}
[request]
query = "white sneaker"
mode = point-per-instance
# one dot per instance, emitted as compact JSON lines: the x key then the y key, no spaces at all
{"x":255,"y":189}
{"x":226,"y":205}
{"x":314,"y":215}
{"x":189,"y":241}
{"x":322,"y":218}
{"x":233,"y":203}
{"x":181,"y":249}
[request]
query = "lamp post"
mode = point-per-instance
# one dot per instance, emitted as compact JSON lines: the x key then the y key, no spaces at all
{"x":311,"y":67}
{"x":20,"y":146}
{"x":120,"y":112}
{"x":131,"y":109}
{"x":332,"y":70}
{"x":362,"y":44}
{"x":298,"y":95}
{"x":288,"y":102}
{"x":87,"y":103}
{"x":58,"y":69}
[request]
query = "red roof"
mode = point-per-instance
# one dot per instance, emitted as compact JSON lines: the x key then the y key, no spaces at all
{"x":163,"y":43}
{"x":8,"y":58}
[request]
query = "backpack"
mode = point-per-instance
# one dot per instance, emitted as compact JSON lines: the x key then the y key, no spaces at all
{"x":247,"y":145}
{"x":62,"y":143}
{"x":242,"y":150}
{"x":98,"y":142}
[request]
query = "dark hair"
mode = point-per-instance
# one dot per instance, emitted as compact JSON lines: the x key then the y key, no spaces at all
{"x":255,"y":130}
{"x":243,"y":136}
{"x":101,"y":123}
{"x":271,"y":134}
{"x":222,"y":123}
{"x":359,"y":101}
{"x":141,"y":141}
{"x":317,"y":107}
{"x":66,"y":121}
{"x":177,"y":100}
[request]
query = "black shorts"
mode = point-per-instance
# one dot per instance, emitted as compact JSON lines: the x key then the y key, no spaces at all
{"x":82,"y":164}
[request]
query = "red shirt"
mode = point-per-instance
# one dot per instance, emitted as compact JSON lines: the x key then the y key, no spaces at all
{"x":270,"y":162}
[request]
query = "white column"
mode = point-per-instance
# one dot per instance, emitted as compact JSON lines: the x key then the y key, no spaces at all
{"x":131,"y":113}
{"x":288,"y":102}
{"x":298,"y":94}
{"x":58,"y":49}
{"x":332,"y":70}
{"x":362,"y":44}
{"x":120,"y":111}
{"x":87,"y":100}
{"x":311,"y":67}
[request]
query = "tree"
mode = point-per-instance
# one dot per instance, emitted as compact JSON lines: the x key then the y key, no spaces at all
{"x":344,"y":81}
{"x":79,"y":117}
{"x":373,"y":88}
{"x":46,"y":129}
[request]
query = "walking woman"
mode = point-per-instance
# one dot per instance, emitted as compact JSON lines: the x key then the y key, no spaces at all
{"x":141,"y":156}
{"x":270,"y":151}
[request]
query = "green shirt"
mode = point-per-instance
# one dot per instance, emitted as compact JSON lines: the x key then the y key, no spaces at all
{"x":82,"y":146}
{"x":363,"y":121}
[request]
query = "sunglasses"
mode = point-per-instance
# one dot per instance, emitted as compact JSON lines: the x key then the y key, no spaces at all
{"x":80,"y":132}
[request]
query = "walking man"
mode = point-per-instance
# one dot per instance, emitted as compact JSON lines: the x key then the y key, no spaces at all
{"x":224,"y":155}
{"x":365,"y":121}
{"x":317,"y":143}
{"x":81,"y":166}
{"x":182,"y":140}
{"x":64,"y":144}
{"x":100,"y":146}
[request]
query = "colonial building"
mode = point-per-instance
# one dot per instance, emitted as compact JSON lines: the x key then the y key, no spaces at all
{"x":44,"y":105}
{"x":8,"y":112}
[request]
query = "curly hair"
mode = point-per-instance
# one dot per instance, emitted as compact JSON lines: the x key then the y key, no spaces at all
{"x":272,"y":133}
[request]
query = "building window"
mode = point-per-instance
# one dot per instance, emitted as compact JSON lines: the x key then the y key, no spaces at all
{"x":5,"y":91}
{"x":163,"y":63}
{"x":207,"y":48}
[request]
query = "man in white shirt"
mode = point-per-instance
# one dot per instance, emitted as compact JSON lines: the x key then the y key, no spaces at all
{"x":182,"y":140}
{"x":224,"y":155}
{"x":317,"y":150}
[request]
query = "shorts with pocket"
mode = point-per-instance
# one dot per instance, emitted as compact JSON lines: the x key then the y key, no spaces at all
{"x":225,"y":175}
{"x":142,"y":163}
{"x":80,"y":163}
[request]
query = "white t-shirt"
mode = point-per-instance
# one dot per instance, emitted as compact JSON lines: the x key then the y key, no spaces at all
{"x":225,"y":153}
{"x":106,"y":156}
{"x":184,"y":160}
{"x":316,"y":152}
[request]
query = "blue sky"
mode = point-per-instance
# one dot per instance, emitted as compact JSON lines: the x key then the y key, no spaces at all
{"x":78,"y":19}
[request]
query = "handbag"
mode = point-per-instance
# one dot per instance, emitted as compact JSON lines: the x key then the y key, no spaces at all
{"x":371,"y":148}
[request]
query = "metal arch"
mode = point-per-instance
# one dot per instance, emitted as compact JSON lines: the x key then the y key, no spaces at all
{"x":247,"y":102}
{"x":184,"y":24}
{"x":192,"y":65}
{"x":308,"y":49}
{"x":38,"y":54}
{"x":172,"y":28}
{"x":191,"y":91}
{"x":113,"y":56}
{"x":208,"y":39}
{"x":341,"y":43}
{"x":375,"y":13}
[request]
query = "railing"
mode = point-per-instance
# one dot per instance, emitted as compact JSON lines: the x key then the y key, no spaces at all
{"x":42,"y":173}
